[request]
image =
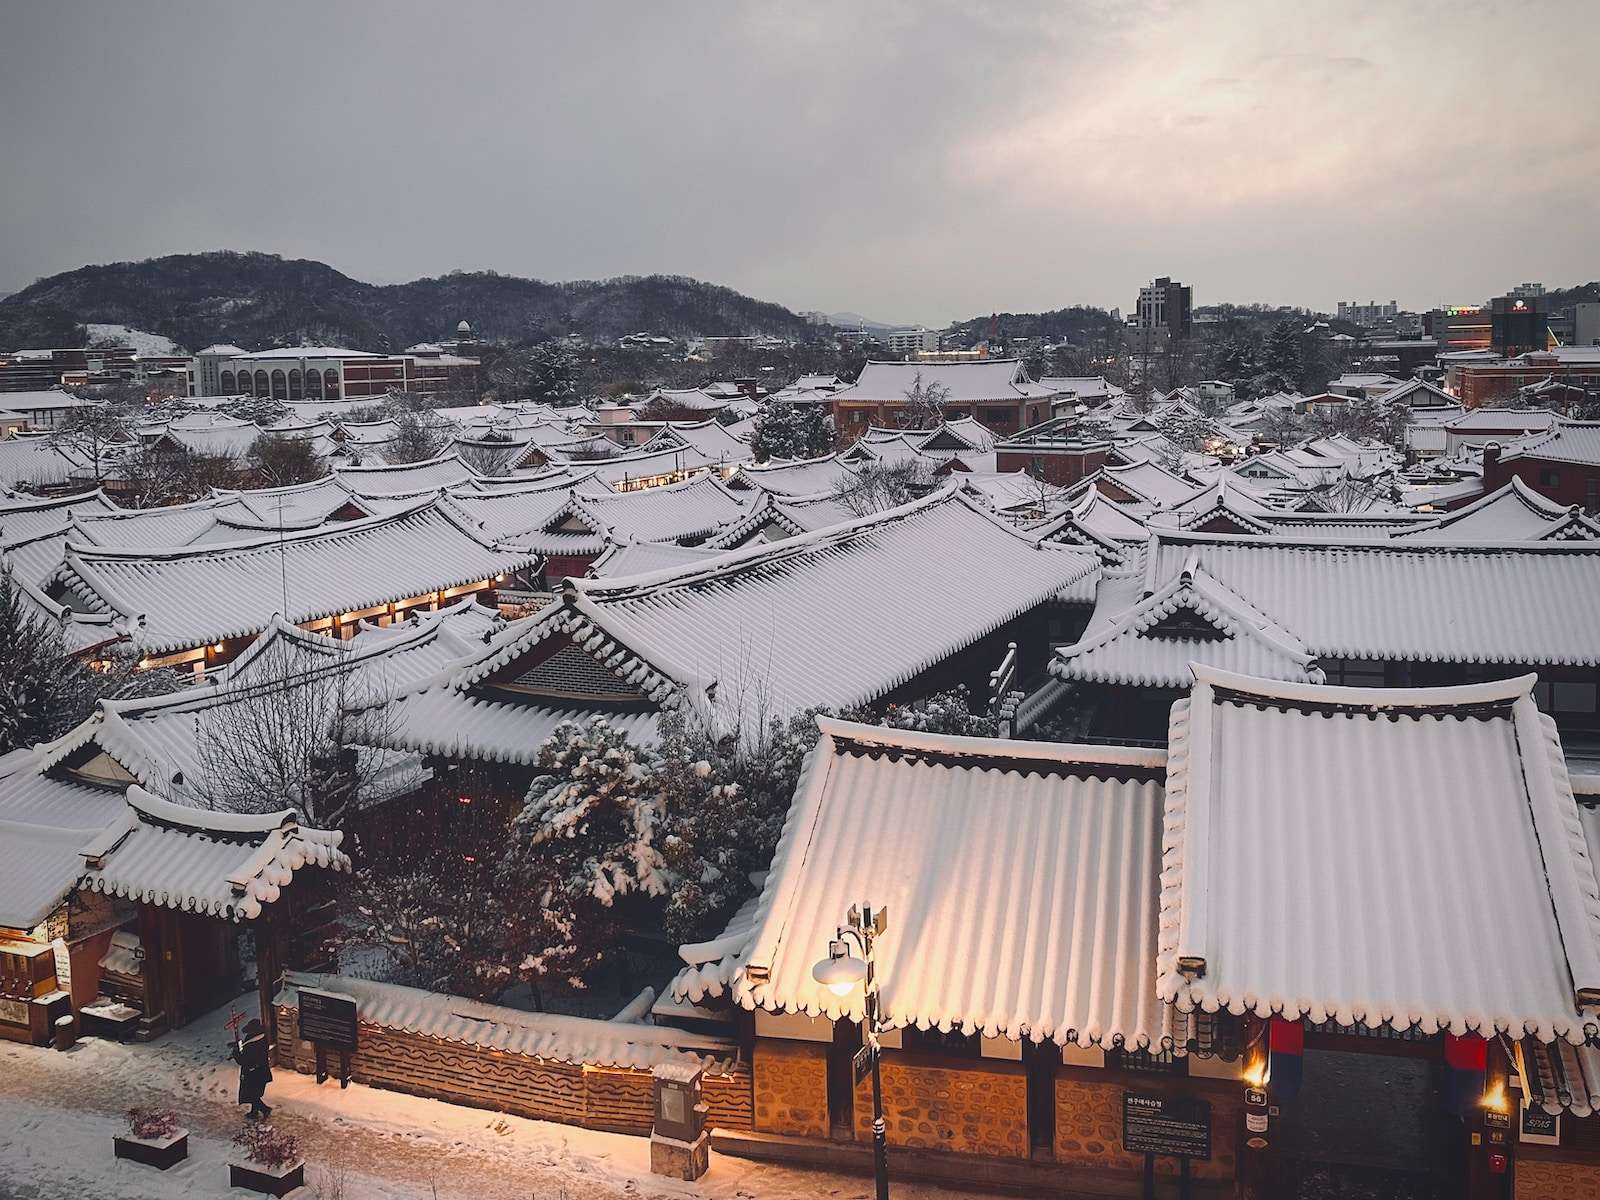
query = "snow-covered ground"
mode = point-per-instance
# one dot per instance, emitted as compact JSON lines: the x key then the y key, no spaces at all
{"x":137,"y":340}
{"x":58,"y":1113}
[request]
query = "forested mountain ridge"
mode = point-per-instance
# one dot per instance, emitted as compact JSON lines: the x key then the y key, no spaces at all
{"x":257,"y":300}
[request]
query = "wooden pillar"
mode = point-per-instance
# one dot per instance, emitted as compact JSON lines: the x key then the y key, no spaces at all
{"x":269,"y":931}
{"x":163,"y":964}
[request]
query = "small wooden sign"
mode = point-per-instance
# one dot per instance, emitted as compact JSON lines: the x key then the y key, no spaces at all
{"x":861,"y":1063}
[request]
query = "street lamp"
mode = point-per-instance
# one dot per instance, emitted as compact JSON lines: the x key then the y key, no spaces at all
{"x":840,"y":972}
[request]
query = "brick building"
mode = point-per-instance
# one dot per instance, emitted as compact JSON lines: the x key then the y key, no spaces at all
{"x":1562,"y":465}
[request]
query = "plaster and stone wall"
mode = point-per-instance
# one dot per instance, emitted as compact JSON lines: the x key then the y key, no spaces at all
{"x":977,"y":1107}
{"x":791,"y":1087}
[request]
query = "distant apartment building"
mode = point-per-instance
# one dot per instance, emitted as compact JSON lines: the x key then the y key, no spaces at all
{"x":1166,"y":305}
{"x":912,"y":341}
{"x":1526,"y":291}
{"x":329,"y":373}
{"x":1370,"y":314}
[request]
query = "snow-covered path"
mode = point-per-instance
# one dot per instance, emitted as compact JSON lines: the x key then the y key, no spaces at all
{"x":58,"y":1113}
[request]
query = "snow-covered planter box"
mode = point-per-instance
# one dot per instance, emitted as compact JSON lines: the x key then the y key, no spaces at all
{"x":153,"y":1138}
{"x":272,"y":1165}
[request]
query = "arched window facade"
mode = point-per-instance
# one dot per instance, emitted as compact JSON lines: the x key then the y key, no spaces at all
{"x":262,"y":388}
{"x":280,"y":385}
{"x":225,"y":381}
{"x":330,"y":384}
{"x":295,"y":392}
{"x":313,"y":385}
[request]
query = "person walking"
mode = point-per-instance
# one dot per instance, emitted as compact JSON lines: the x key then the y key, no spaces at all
{"x":253,"y":1053}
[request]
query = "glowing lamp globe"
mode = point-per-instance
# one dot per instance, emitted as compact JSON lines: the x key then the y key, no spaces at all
{"x":839,"y":975}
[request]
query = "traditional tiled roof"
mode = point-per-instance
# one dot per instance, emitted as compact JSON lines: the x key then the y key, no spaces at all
{"x":1021,"y":891}
{"x":995,"y":379}
{"x":1318,"y":860}
{"x":407,"y":478}
{"x":642,"y":558}
{"x":800,"y":477}
{"x":1514,"y":513}
{"x":218,"y":864}
{"x":1570,"y":442}
{"x":1191,"y":619}
{"x":172,"y":600}
{"x":1399,"y":599}
{"x":865,"y":606}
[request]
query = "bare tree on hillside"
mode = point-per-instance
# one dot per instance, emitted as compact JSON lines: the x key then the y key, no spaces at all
{"x":876,"y":487}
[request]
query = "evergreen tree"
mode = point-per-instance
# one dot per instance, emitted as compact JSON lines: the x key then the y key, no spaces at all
{"x":786,"y":430}
{"x":552,"y":374}
{"x":587,"y":837}
{"x":44,"y":690}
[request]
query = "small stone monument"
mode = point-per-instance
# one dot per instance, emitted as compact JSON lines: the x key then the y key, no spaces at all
{"x":680,"y":1143}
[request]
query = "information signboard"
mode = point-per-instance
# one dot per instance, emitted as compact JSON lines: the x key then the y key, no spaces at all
{"x":328,"y":1019}
{"x":1174,"y":1125}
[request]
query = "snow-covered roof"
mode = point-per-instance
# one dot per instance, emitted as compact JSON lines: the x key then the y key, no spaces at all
{"x":446,"y":470}
{"x":1021,"y":891}
{"x":1193,"y":618}
{"x":35,"y":462}
{"x":797,"y":477}
{"x":298,"y":352}
{"x":1400,"y":599}
{"x":221,"y":350}
{"x":1513,"y":513}
{"x":865,"y":606}
{"x":1503,"y":420}
{"x":217,"y":864}
{"x":1569,"y":441}
{"x":1152,"y":483}
{"x":709,"y":437}
{"x":175,"y":599}
{"x":1319,"y":862}
{"x":550,"y":1036}
{"x":994,"y":379}
{"x":26,"y":517}
{"x":642,"y":558}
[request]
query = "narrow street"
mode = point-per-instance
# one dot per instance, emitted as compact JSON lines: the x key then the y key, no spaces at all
{"x":58,"y":1113}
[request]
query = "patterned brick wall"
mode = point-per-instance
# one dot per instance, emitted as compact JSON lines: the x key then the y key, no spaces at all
{"x":969,"y":1108}
{"x":1089,"y":1125}
{"x":1544,"y":1180}
{"x":791,"y":1087}
{"x":598,"y":1097}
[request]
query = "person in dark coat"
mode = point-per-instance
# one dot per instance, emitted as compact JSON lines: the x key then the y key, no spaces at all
{"x":253,"y":1054}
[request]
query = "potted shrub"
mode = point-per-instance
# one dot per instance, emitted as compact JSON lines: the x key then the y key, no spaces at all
{"x":273,"y":1165}
{"x":153,"y":1138}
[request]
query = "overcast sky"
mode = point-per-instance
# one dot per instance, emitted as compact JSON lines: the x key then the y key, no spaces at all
{"x":910,"y":161}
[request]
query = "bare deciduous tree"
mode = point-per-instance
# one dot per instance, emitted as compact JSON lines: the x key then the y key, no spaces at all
{"x":875,"y":487}
{"x":284,"y":460}
{"x":295,"y":733}
{"x":925,"y":403}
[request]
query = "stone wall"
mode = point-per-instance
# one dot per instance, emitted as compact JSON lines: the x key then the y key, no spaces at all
{"x":620,"y":1100}
{"x":1089,"y":1121}
{"x":969,"y":1107}
{"x":1545,"y":1179}
{"x":791,"y":1087}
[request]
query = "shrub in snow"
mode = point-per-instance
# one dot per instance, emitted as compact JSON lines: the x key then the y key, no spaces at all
{"x":943,"y":712}
{"x":268,"y":1147}
{"x":151,"y":1124}
{"x":44,"y":690}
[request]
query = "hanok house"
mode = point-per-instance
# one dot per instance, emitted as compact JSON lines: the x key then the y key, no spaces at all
{"x":1016,"y":975}
{"x":120,"y":908}
{"x":1562,"y":465}
{"x":996,"y":392}
{"x":885,"y":609}
{"x":1343,"y":1015}
{"x":196,"y":607}
{"x":1392,"y":889}
{"x":1395,"y":611}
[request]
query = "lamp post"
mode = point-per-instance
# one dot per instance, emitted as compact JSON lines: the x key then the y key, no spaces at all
{"x":839,"y":973}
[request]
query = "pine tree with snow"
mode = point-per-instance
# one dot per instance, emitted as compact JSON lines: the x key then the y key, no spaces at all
{"x":949,"y":712}
{"x":552,"y":374}
{"x":44,"y":690}
{"x":588,"y":836}
{"x":785,"y":430}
